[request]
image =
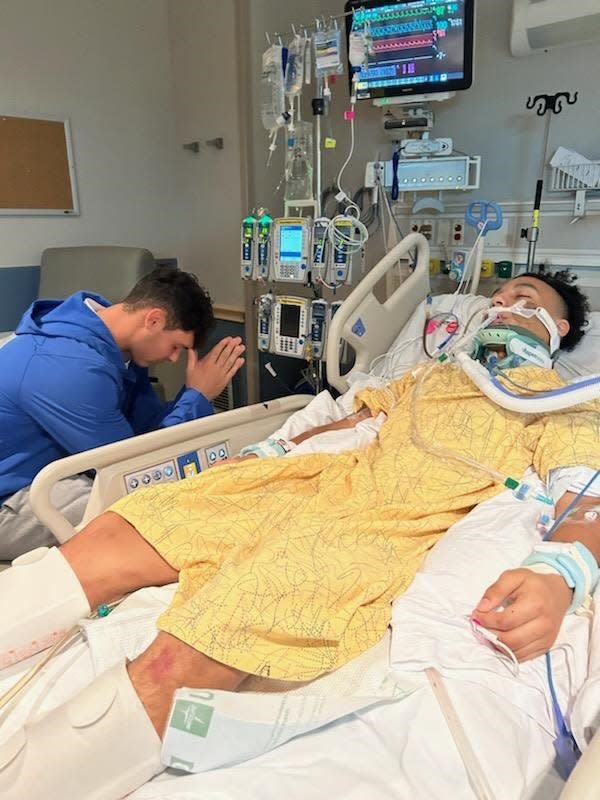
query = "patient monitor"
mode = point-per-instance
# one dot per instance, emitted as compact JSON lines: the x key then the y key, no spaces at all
{"x":291,"y":249}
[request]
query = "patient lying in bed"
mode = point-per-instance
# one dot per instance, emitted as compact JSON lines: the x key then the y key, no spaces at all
{"x":287,"y":567}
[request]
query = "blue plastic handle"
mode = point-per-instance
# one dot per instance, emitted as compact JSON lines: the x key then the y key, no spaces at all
{"x":480,"y":211}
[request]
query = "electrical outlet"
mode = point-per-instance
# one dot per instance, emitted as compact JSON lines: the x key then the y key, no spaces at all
{"x":457,"y":232}
{"x":425,"y":226}
{"x":374,"y":174}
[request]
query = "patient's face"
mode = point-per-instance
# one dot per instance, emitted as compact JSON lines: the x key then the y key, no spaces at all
{"x":533,"y":293}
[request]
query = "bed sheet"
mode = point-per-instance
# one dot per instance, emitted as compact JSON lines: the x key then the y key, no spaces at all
{"x":396,"y":749}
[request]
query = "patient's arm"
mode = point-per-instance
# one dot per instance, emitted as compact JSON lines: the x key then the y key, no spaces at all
{"x":347,"y":422}
{"x":535,"y":605}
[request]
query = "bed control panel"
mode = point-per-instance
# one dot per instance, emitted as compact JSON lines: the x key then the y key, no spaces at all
{"x":216,"y":452}
{"x":164,"y":472}
{"x":181,"y":466}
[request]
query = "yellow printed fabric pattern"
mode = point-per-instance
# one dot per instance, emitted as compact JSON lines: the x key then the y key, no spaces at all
{"x":287,"y":567}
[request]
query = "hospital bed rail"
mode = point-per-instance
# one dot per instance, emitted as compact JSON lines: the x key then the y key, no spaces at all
{"x":113,"y":462}
{"x":369,"y":326}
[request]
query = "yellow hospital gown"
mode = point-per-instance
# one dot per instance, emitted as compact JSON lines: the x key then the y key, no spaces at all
{"x":287,"y":566}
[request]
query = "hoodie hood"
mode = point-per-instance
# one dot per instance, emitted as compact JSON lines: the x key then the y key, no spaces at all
{"x":71,"y":319}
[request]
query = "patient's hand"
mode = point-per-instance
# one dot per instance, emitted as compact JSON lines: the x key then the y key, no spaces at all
{"x":211,"y":373}
{"x":534,"y":608}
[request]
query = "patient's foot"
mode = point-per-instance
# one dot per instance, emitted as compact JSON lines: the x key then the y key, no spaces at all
{"x":111,"y":559}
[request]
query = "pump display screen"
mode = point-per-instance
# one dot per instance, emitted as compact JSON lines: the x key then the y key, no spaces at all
{"x":289,"y":324}
{"x":414,"y":46}
{"x":290,"y":242}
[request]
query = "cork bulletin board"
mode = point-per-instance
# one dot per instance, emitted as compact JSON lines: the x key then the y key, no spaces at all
{"x":37,"y":174}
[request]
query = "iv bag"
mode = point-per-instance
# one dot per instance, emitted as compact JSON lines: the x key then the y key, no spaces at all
{"x":299,"y":162}
{"x":328,"y":45}
{"x":272,"y":97}
{"x":294,"y":70}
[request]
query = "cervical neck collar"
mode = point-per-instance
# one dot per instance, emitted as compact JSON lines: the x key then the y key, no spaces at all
{"x":520,"y":345}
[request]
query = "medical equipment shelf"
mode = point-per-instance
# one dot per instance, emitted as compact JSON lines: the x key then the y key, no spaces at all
{"x":572,"y":177}
{"x":576,"y":177}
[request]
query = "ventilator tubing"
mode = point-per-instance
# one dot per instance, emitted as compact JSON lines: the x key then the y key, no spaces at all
{"x":100,"y":745}
{"x":40,"y":600}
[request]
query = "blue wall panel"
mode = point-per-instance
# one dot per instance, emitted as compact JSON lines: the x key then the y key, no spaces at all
{"x":18,"y":289}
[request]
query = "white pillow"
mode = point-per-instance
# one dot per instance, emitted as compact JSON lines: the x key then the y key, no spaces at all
{"x":585,"y":358}
{"x":407,"y":348}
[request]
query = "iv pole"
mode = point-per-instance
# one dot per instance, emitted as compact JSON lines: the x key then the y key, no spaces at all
{"x":543,"y":103}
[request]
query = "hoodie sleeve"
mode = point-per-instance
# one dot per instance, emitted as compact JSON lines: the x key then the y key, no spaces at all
{"x":77,"y":405}
{"x":148,"y":413}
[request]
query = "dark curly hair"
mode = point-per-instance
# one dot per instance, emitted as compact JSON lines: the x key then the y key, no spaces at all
{"x":186,"y":303}
{"x":576,"y":306}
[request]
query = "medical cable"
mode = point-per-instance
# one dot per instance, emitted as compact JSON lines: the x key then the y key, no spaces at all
{"x":70,"y":635}
{"x":470,"y":761}
{"x":389,"y":368}
{"x":349,"y":115}
{"x":463,"y":280}
{"x":566,"y":748}
{"x":25,"y":679}
{"x":571,"y":507}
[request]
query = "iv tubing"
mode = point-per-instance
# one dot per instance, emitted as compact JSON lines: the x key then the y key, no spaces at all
{"x":31,"y":673}
{"x":417,"y":439}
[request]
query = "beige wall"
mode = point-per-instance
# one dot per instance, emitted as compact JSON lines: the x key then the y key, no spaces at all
{"x":105,"y":66}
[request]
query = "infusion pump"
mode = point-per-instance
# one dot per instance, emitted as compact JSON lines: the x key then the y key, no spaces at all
{"x":296,"y":249}
{"x":293,"y":326}
{"x":290,"y":326}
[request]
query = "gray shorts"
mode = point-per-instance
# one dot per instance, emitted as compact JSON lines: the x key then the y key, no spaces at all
{"x":20,"y":529}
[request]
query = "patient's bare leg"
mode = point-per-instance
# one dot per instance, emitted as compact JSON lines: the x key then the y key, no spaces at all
{"x":169,"y":664}
{"x":110,"y":559}
{"x":103,"y":743}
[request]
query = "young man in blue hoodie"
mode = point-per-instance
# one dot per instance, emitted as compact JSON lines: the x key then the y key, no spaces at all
{"x":75,"y":377}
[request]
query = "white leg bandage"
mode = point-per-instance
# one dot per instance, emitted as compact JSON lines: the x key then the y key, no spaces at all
{"x":100,"y":745}
{"x":40,"y":599}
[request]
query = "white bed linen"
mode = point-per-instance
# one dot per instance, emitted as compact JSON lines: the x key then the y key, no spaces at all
{"x":399,"y":750}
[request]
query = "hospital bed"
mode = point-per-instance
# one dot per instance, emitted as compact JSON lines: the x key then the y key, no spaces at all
{"x":403,"y":746}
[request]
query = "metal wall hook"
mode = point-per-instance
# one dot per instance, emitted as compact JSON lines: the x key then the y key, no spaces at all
{"x":218,"y":142}
{"x":550,"y":102}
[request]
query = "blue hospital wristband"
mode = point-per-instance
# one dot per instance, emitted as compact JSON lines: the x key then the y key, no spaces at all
{"x":574,"y":562}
